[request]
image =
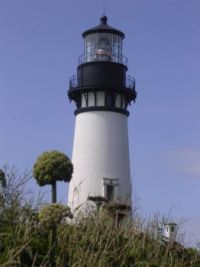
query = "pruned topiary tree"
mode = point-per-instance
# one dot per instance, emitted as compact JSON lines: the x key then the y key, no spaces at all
{"x":50,"y":167}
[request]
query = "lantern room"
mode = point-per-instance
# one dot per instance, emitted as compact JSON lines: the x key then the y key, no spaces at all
{"x":103,"y":43}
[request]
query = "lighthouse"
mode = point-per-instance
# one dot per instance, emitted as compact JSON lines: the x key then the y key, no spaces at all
{"x":102,"y":93}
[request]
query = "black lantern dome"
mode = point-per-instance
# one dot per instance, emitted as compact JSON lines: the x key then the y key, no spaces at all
{"x":101,"y":82}
{"x":103,"y":27}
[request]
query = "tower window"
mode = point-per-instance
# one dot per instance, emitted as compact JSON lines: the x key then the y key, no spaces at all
{"x":110,"y":188}
{"x":100,"y":99}
{"x":118,"y":101}
{"x":110,"y":192}
{"x":91,"y":99}
{"x":83,"y":100}
{"x":109,"y":100}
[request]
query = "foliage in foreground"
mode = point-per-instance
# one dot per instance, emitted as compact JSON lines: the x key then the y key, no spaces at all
{"x":50,"y":167}
{"x":94,"y":239}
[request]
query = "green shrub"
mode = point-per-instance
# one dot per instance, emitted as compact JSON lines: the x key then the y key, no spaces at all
{"x":53,"y":214}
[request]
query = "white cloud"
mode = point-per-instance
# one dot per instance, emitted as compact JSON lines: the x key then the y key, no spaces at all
{"x":186,"y":161}
{"x":191,"y":232}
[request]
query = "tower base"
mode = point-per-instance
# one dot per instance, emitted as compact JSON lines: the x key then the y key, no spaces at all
{"x":100,"y":158}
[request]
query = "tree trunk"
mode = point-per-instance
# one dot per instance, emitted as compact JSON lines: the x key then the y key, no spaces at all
{"x":53,"y":231}
{"x":54,"y":193}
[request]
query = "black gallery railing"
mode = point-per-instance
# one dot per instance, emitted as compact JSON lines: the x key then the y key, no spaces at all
{"x":82,"y":81}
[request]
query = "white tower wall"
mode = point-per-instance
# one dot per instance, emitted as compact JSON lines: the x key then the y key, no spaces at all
{"x":100,"y":157}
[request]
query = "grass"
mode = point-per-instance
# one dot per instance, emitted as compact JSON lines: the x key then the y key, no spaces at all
{"x":94,"y":239}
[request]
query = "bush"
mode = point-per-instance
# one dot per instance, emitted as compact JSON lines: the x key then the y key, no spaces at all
{"x":53,"y":214}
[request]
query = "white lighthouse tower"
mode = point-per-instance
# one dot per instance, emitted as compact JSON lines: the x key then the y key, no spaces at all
{"x":102,"y":92}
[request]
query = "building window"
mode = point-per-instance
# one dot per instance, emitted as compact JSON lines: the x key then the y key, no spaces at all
{"x":110,"y":188}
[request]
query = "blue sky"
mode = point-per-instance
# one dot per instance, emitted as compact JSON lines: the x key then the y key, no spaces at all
{"x":40,"y":41}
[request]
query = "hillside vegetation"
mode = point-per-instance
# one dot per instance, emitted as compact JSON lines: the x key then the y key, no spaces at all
{"x":95,"y":239}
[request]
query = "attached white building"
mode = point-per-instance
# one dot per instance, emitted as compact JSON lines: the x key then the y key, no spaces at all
{"x":169,"y":231}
